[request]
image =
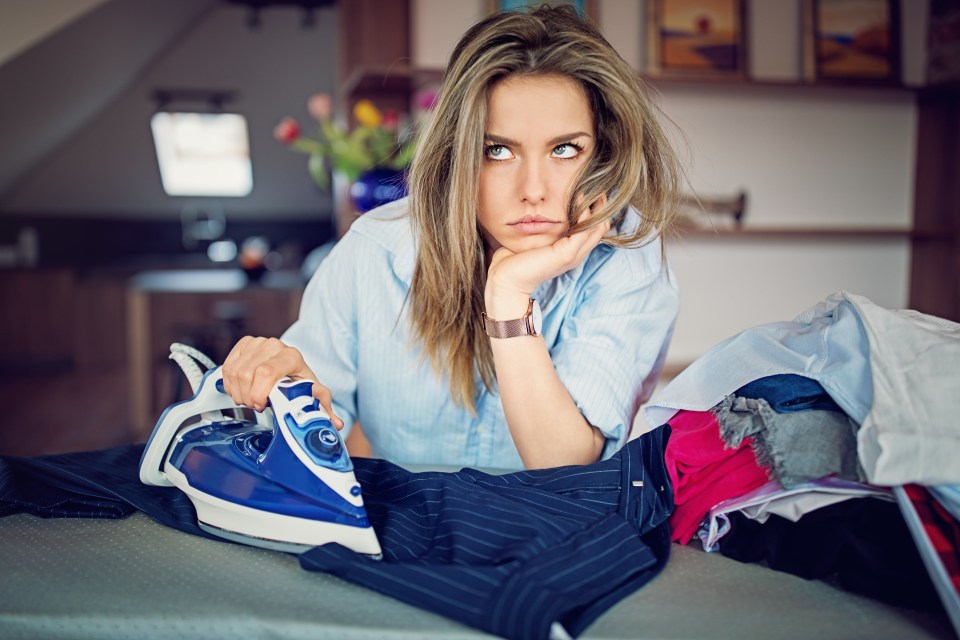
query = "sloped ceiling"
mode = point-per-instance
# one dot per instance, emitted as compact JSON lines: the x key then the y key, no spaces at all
{"x":54,"y":87}
{"x":23,"y":23}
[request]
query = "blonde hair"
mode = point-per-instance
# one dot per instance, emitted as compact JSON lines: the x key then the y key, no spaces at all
{"x":632,"y":163}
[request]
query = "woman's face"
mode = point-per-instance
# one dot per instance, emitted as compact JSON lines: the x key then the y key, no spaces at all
{"x":538,"y":135}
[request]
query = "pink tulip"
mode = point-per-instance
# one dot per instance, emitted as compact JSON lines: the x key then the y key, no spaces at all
{"x":426,"y":100}
{"x":287,"y":130}
{"x":320,"y":106}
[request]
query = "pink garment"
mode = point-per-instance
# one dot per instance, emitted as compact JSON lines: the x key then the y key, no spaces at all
{"x":704,"y":471}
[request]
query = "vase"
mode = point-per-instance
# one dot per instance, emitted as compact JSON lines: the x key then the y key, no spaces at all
{"x":343,"y":209}
{"x":378,"y":186}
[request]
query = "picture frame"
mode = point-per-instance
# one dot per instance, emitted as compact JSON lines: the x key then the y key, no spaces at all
{"x":852,"y":41}
{"x":943,"y":42}
{"x":586,"y":8}
{"x":697,"y":38}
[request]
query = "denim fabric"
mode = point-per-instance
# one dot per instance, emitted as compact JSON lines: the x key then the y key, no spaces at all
{"x":787,"y":393}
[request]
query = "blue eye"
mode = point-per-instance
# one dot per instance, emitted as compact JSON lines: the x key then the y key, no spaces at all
{"x":497,"y":152}
{"x":566,"y":151}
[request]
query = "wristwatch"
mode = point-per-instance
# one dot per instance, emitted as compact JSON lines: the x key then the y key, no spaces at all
{"x":527,"y":325}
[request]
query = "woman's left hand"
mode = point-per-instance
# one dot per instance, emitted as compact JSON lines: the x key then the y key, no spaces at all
{"x":515,"y":275}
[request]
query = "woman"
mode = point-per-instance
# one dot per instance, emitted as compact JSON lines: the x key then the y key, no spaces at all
{"x":423,"y":324}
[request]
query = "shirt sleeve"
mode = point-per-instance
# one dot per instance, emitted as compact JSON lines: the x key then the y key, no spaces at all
{"x":614,"y":335}
{"x":326,"y":330}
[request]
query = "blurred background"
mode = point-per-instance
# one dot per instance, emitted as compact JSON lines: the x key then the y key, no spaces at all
{"x":108,"y":253}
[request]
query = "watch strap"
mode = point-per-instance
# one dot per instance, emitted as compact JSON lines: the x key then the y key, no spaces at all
{"x":509,"y":328}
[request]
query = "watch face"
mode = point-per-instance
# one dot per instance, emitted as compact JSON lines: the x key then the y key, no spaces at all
{"x":536,"y":318}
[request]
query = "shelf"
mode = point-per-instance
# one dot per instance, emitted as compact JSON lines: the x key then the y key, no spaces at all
{"x":403,"y":78}
{"x":802,"y":86}
{"x":821,"y":233}
{"x":396,"y":78}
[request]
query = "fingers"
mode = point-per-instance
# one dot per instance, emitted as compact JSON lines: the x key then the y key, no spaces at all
{"x":248,"y":369}
{"x":576,"y":246}
{"x":587,"y":212}
{"x":255,"y":365}
{"x":323,"y":394}
{"x":574,"y":249}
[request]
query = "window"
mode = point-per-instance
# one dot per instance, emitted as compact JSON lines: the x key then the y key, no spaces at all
{"x":203,"y":154}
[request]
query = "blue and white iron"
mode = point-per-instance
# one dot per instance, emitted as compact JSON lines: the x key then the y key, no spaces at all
{"x":283,"y":481}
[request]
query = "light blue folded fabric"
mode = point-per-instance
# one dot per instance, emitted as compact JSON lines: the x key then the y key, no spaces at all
{"x":827,"y":343}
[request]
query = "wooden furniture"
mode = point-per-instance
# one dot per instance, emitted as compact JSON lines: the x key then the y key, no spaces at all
{"x":935,"y":261}
{"x":374,"y":34}
{"x":210,"y":308}
{"x":56,"y":319}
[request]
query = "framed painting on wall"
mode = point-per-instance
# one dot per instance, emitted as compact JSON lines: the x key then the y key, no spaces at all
{"x":697,"y":37}
{"x":852,"y":40}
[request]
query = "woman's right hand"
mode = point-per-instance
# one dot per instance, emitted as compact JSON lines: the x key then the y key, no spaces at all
{"x":255,"y":365}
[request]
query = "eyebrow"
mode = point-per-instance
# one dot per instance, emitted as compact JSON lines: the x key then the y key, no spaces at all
{"x":553,"y":141}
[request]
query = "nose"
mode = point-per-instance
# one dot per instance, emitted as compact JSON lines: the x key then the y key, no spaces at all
{"x":533,"y":185}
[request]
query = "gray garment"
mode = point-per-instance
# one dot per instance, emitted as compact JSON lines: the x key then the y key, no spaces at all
{"x":796,"y":447}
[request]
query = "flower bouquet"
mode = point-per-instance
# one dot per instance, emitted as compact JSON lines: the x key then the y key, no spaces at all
{"x":373,"y":144}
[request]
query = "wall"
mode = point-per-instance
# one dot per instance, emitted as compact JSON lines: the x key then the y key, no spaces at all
{"x":25,"y":22}
{"x":807,"y":158}
{"x":55,"y":88}
{"x":109,"y":168}
{"x":829,"y":160}
{"x":826,"y":158}
{"x":773,"y":30}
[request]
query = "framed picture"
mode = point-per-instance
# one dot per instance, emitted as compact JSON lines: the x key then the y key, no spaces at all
{"x":587,"y":8}
{"x":697,"y":37}
{"x":852,"y":40}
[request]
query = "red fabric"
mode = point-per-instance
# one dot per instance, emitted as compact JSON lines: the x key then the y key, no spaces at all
{"x":704,"y":471}
{"x":941,"y":528}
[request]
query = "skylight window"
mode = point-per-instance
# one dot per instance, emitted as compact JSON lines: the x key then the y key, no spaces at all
{"x":203,"y":154}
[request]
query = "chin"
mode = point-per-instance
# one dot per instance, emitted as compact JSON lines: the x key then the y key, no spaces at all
{"x":527,"y":243}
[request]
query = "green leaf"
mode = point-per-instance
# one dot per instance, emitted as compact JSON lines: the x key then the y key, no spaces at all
{"x":404,"y":157}
{"x":317,"y":167}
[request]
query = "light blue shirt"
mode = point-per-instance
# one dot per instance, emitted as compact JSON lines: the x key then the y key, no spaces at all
{"x":826,"y":343}
{"x":893,"y":372}
{"x":606,"y":323}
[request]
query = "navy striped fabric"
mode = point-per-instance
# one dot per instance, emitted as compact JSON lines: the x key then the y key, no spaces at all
{"x":91,"y":484}
{"x":511,"y":554}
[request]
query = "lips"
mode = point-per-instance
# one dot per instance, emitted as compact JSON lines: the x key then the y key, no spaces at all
{"x":533,"y":224}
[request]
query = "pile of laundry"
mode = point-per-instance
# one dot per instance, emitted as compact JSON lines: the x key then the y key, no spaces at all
{"x":827,"y":447}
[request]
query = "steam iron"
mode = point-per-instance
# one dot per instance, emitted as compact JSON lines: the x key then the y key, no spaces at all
{"x":282,"y":481}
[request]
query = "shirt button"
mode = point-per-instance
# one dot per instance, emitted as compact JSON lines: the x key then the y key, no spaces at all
{"x":481,"y":429}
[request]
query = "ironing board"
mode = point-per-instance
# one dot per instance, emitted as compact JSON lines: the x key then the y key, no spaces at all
{"x":102,"y":579}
